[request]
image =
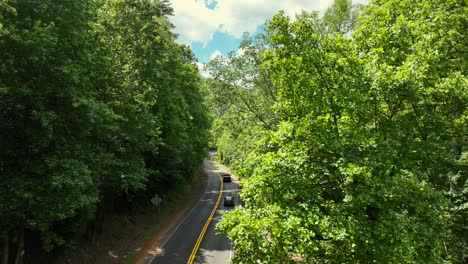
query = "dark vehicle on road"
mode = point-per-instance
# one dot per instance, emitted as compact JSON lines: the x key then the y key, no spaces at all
{"x":226,"y":177}
{"x":228,"y":201}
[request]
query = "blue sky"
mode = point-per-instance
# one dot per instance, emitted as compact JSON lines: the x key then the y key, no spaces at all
{"x":222,"y":42}
{"x":212,"y":27}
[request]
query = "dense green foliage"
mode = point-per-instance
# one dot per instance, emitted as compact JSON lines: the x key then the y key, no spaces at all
{"x":364,"y":155}
{"x":241,"y":94}
{"x":98,"y":104}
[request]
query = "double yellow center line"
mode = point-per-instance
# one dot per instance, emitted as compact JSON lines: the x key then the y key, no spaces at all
{"x":202,"y":233}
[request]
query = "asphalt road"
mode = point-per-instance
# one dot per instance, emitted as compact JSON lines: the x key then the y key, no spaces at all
{"x":180,"y":240}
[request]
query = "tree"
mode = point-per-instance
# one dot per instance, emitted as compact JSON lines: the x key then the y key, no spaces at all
{"x":242,"y":94}
{"x":341,"y":17}
{"x":49,"y":112}
{"x":100,"y":109}
{"x":359,"y":166}
{"x":421,"y":49}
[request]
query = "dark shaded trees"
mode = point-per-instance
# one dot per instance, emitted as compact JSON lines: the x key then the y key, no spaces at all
{"x":49,"y":113}
{"x":98,"y":104}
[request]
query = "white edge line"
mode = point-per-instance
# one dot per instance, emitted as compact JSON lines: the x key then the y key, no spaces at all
{"x":181,"y":222}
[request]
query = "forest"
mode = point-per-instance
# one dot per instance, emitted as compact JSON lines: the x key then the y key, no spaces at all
{"x":348,"y":128}
{"x":349,"y":131}
{"x":100,"y":110}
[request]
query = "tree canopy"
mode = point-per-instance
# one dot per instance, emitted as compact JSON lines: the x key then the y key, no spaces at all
{"x":367,"y":162}
{"x":98,"y":104}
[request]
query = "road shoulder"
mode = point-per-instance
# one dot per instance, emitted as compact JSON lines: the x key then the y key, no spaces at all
{"x":150,"y":247}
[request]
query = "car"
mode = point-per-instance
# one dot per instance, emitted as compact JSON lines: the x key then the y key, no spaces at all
{"x":226,"y":177}
{"x":228,"y":201}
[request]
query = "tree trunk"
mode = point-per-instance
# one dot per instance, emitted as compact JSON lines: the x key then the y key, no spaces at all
{"x":6,"y":248}
{"x":20,"y":252}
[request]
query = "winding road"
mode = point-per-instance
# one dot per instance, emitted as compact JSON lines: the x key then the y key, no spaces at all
{"x":192,"y":239}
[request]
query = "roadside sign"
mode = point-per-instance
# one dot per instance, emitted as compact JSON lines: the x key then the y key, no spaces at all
{"x":156,"y":200}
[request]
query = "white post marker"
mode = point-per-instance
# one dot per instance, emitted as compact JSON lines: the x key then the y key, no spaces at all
{"x":156,"y":200}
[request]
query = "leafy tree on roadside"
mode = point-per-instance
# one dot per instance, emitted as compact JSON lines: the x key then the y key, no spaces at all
{"x":243,"y":95}
{"x":422,"y":50}
{"x":341,"y":17}
{"x":100,"y":110}
{"x":369,"y":158}
{"x":50,"y":116}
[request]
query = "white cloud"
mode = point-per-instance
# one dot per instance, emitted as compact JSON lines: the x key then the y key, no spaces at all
{"x":240,"y":52}
{"x":204,"y":72}
{"x":195,"y":22}
{"x":215,"y":54}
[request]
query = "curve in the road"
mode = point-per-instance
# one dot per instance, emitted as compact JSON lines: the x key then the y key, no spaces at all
{"x":193,"y":238}
{"x":202,"y":233}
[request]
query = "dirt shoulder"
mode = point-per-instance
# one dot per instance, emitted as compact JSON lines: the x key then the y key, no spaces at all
{"x":150,"y":247}
{"x":131,"y":239}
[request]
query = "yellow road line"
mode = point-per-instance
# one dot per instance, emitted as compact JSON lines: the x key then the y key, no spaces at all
{"x":202,"y":233}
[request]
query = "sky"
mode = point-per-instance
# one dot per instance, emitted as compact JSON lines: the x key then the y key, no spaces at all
{"x":215,"y":27}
